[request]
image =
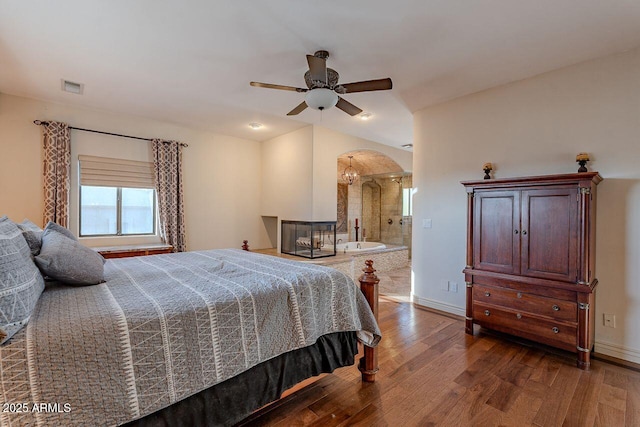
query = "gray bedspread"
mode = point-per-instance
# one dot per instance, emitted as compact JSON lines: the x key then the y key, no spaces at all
{"x":165,"y":327}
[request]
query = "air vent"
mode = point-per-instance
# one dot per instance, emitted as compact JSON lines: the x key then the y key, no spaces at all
{"x":407,"y":146}
{"x":72,"y":87}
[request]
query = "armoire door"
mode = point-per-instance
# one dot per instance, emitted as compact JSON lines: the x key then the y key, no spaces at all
{"x":549,"y":235}
{"x":496,"y":236}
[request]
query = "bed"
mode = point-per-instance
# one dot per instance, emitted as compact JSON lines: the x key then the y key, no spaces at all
{"x":175,"y":334}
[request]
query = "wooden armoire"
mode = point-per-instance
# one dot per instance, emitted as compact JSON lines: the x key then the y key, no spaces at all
{"x":531,"y":259}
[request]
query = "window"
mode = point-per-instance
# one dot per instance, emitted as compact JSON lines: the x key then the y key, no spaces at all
{"x":407,"y":208}
{"x":117,"y":197}
{"x":117,"y":211}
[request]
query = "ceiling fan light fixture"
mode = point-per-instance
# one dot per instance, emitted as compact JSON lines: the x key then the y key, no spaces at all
{"x":323,"y":87}
{"x":321,"y":98}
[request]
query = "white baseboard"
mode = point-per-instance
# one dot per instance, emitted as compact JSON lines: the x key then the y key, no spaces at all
{"x":617,"y":351}
{"x":438,"y":305}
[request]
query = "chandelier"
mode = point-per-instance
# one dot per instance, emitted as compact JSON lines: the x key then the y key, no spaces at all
{"x":350,"y":174}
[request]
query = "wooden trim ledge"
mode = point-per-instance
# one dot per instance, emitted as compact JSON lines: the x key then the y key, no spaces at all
{"x":133,"y":250}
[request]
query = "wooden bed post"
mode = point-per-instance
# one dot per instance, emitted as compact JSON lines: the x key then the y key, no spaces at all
{"x":369,"y":287}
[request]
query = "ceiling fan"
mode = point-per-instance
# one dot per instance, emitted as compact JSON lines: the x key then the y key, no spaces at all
{"x":323,"y":88}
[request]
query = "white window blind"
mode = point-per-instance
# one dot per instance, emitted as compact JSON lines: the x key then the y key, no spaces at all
{"x":107,"y":172}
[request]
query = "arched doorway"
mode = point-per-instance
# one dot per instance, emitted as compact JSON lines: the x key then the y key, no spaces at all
{"x":377,"y":200}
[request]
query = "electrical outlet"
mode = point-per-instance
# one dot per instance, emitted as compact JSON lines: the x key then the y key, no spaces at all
{"x":426,"y":223}
{"x":610,"y":320}
{"x":453,"y":287}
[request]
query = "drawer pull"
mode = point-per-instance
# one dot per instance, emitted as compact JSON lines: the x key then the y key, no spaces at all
{"x":487,"y":294}
{"x":519,"y":316}
{"x":555,"y":308}
{"x":555,"y":330}
{"x":487,"y":312}
{"x":519,"y":295}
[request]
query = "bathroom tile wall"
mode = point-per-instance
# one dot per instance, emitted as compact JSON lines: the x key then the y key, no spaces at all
{"x":343,"y":204}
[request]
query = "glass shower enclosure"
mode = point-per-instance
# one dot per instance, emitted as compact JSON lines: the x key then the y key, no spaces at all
{"x":386,"y":208}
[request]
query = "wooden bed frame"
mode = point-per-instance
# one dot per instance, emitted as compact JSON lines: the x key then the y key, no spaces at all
{"x":369,"y":287}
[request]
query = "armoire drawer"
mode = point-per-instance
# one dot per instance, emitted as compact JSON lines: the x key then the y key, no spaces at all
{"x":526,"y":325}
{"x":530,"y":303}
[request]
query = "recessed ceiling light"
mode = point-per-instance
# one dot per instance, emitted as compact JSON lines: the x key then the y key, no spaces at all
{"x":72,"y":87}
{"x":255,"y":125}
{"x":365,"y":116}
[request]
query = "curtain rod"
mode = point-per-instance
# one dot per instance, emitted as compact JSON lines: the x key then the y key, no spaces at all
{"x":42,"y":122}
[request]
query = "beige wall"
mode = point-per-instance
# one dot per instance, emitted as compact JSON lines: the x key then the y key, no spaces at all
{"x":533,"y":127}
{"x":21,"y":194}
{"x":221,"y":174}
{"x":287,"y":163}
{"x":287,"y":192}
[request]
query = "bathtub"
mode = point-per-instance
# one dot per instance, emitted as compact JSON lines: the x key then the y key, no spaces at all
{"x":353,"y":247}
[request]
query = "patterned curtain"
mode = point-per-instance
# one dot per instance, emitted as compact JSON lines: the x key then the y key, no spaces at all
{"x":57,"y":168}
{"x":167,"y":161}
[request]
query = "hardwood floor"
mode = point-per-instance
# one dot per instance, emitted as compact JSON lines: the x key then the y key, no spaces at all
{"x":432,"y":374}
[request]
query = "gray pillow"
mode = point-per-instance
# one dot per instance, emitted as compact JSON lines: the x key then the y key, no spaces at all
{"x":32,"y":234}
{"x":67,"y":261}
{"x":60,"y":229}
{"x":20,"y":281}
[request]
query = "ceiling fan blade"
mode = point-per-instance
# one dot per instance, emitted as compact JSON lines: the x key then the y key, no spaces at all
{"x":381,"y":84}
{"x":270,"y":86}
{"x":299,"y":109}
{"x":348,"y":107}
{"x":317,"y":68}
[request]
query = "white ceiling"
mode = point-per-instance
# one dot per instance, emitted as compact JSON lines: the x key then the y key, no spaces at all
{"x":190,"y":62}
